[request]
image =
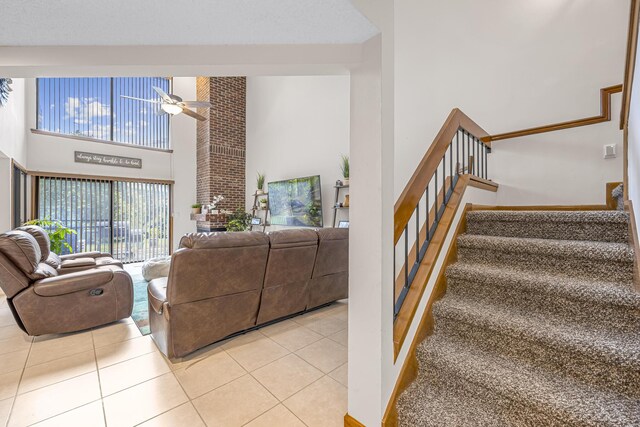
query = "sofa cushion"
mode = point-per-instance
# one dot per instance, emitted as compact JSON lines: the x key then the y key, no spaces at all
{"x":22,"y":249}
{"x":41,"y":237}
{"x":333,"y":251}
{"x":78,"y":262}
{"x":53,"y":260}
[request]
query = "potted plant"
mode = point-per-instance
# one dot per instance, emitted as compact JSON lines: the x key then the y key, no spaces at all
{"x":263,"y":203}
{"x":344,"y":167}
{"x":213,"y":206}
{"x":260,"y":183}
{"x":57,"y":234}
{"x":238,"y":220}
{"x":196,"y":208}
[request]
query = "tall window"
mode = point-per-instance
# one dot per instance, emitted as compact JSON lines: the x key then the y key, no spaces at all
{"x":128,"y":219}
{"x":95,"y":108}
{"x":19,"y":196}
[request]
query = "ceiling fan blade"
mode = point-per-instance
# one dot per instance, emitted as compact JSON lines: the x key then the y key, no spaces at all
{"x":196,"y":104}
{"x":193,"y":114}
{"x":165,"y":97}
{"x":140,"y":99}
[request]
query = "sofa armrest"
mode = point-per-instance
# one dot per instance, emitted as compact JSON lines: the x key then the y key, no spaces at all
{"x":92,"y":254}
{"x":78,"y":262}
{"x":72,"y":282}
{"x":157,"y":293}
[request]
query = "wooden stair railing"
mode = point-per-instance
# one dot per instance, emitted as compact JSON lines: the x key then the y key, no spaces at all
{"x":605,"y":116}
{"x":425,"y":210}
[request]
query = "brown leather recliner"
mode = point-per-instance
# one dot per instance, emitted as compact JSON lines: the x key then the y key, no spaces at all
{"x":330,"y":280}
{"x":213,"y":290}
{"x":285,"y":291}
{"x":68,"y":263}
{"x":223,"y":283}
{"x":45,"y":300}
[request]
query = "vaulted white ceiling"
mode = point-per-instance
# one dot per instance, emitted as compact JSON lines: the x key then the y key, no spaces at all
{"x":180,"y":22}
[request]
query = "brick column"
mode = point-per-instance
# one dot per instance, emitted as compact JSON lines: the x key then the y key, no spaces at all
{"x":221,"y":144}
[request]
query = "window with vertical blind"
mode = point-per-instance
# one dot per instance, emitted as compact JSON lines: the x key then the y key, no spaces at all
{"x":94,"y":107}
{"x":128,"y":219}
{"x":19,"y":192}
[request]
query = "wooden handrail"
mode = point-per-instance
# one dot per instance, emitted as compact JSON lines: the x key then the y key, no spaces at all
{"x":605,"y":116}
{"x":414,"y":189}
{"x":630,"y":62}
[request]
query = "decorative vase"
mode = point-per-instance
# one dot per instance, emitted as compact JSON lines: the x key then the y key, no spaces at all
{"x":346,"y":201}
{"x":345,"y":182}
{"x":259,"y":191}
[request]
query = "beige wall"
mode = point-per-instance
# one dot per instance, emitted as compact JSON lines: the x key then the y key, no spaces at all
{"x":509,"y":65}
{"x":297,"y":127}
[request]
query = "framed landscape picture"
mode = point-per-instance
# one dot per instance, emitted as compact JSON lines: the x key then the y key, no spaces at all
{"x":296,"y":202}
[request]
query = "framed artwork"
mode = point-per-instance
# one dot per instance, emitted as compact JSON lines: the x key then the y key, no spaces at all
{"x":343,"y":224}
{"x":256,"y":221}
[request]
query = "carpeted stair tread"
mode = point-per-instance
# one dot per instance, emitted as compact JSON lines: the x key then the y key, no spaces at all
{"x":431,"y":405}
{"x":599,"y":251}
{"x":604,"y":226}
{"x":595,"y":292}
{"x":432,"y":402}
{"x":539,"y":326}
{"x":567,"y":400}
{"x":614,"y":347}
{"x":606,"y":217}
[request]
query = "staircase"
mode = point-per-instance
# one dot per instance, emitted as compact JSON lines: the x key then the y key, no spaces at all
{"x":539,"y":326}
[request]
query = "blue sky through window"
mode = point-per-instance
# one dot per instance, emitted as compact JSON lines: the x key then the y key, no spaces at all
{"x":87,"y":107}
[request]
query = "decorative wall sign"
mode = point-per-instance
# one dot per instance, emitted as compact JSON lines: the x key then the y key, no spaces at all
{"x":107,"y":160}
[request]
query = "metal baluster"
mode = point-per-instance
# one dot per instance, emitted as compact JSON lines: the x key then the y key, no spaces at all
{"x":406,"y":256}
{"x":451,"y":166}
{"x":418,"y":233}
{"x":444,"y":179}
{"x":457,"y":152}
{"x":463,"y":153}
{"x":486,"y":159}
{"x":436,"y":189}
{"x":427,"y":206}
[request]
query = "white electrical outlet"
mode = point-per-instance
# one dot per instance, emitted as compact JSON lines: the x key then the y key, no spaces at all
{"x":610,"y":151}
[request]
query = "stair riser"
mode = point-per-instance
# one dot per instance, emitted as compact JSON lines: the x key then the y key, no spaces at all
{"x":537,"y":301}
{"x":588,"y":231}
{"x":571,"y":267}
{"x":600,"y":374}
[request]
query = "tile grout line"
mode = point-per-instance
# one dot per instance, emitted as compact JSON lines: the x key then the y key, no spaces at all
{"x":15,"y":395}
{"x":95,"y":361}
{"x":79,"y":375}
{"x":185,"y":393}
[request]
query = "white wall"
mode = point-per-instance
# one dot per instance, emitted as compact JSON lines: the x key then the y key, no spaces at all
{"x":509,"y":65}
{"x":633,"y":153}
{"x":297,"y":127}
{"x":12,"y":146}
{"x":56,"y":154}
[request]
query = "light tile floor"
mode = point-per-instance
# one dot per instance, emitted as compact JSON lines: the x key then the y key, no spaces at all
{"x":293,"y":373}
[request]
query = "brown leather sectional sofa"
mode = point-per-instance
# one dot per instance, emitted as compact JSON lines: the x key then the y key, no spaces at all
{"x":47,"y":294}
{"x":223,"y":283}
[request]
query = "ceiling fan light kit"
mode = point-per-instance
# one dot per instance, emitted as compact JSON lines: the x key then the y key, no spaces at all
{"x":174,"y":105}
{"x":172,"y":109}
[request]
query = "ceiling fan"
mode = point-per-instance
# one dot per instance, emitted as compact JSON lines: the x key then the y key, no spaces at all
{"x":173,"y":104}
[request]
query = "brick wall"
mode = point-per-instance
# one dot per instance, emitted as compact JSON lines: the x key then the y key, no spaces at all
{"x":221,"y":143}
